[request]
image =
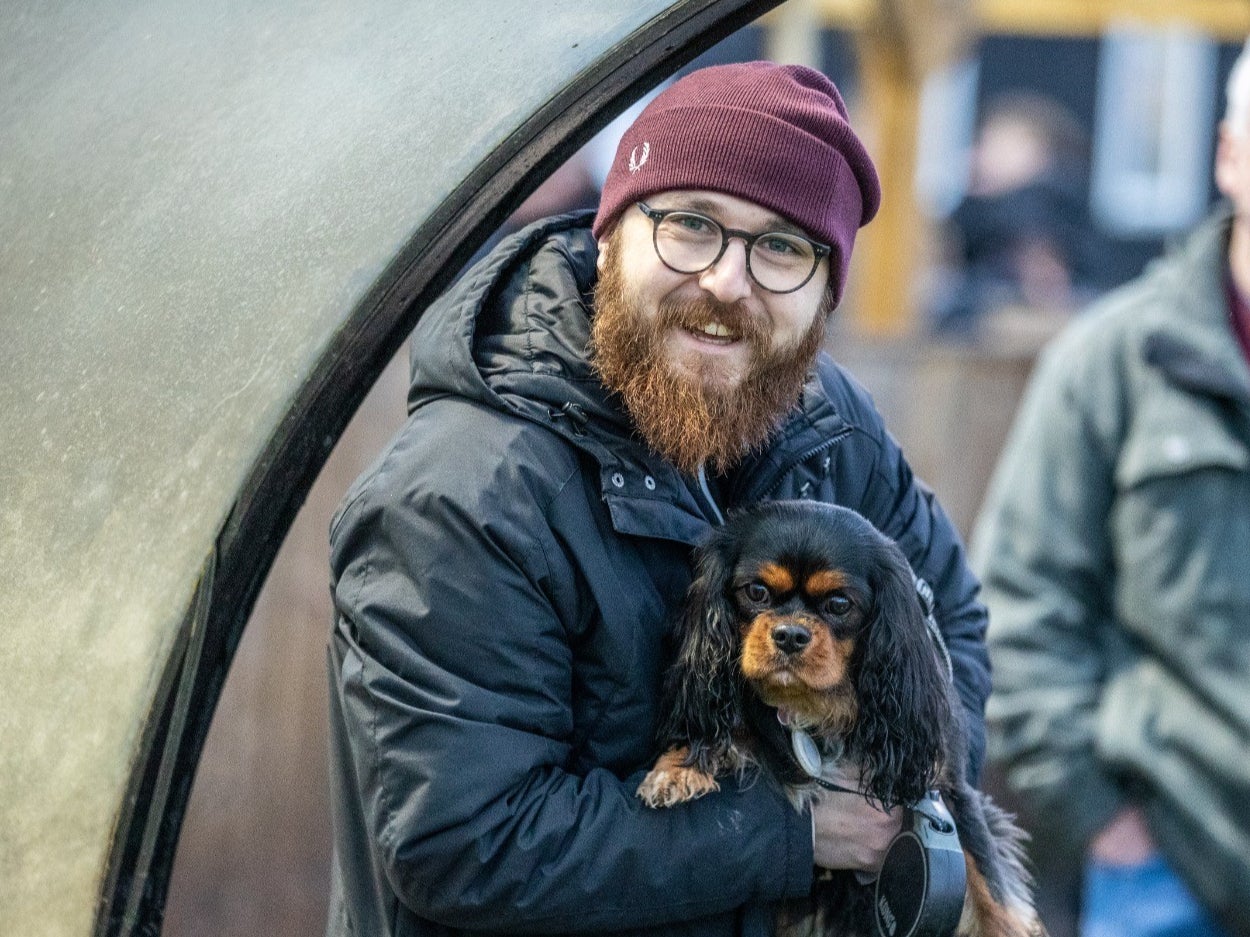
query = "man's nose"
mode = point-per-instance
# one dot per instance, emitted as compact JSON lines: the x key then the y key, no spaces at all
{"x":728,"y":279}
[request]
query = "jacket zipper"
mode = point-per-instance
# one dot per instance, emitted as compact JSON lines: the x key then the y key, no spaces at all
{"x":768,"y":484}
{"x":707,"y":495}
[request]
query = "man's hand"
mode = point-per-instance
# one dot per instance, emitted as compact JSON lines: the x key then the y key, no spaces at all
{"x":850,"y":833}
{"x":1124,"y":841}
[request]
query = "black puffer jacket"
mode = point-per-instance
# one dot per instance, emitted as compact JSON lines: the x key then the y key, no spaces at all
{"x":504,"y":576}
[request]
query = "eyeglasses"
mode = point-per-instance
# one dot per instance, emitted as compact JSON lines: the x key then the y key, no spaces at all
{"x":687,"y":242}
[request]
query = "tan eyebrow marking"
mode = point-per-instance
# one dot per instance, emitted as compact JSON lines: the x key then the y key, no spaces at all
{"x":825,"y":581}
{"x":776,"y":577}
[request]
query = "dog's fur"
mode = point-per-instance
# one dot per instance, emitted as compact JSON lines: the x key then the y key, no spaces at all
{"x":806,"y":611}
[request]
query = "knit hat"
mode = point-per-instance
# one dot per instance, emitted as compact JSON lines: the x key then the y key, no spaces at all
{"x":776,"y":135}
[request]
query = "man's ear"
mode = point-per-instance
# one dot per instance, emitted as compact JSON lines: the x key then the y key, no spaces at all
{"x":1225,"y":162}
{"x":602,"y":259}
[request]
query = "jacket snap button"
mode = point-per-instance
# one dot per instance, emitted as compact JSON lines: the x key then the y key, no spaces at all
{"x":649,"y":482}
{"x":1176,"y":448}
{"x":618,"y":479}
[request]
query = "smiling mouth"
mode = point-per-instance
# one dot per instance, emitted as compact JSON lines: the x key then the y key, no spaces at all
{"x":714,"y":331}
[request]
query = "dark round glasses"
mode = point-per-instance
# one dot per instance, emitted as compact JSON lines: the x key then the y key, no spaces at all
{"x":687,"y":242}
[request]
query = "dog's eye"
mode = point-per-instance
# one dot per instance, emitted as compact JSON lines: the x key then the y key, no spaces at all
{"x":756,"y":592}
{"x":836,"y":605}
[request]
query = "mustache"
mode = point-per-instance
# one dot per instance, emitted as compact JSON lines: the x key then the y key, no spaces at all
{"x":696,"y":313}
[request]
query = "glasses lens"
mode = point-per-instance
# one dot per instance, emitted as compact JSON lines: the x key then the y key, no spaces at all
{"x":687,"y":242}
{"x":782,"y":262}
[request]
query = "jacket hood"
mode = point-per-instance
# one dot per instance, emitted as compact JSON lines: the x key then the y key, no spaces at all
{"x":512,"y":332}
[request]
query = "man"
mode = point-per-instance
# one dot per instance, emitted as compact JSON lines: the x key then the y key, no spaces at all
{"x":586,"y":403}
{"x":1115,"y":548}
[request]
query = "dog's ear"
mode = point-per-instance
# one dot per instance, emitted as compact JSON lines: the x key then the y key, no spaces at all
{"x":904,"y":703}
{"x":703,"y":693}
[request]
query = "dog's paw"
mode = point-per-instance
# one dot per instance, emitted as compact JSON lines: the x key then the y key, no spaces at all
{"x":671,"y":782}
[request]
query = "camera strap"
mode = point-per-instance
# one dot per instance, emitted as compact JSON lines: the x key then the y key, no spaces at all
{"x":928,"y":604}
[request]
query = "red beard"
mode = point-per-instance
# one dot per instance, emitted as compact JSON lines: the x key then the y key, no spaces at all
{"x":692,"y":419}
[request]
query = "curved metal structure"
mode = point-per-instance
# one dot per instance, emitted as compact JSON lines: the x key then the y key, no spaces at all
{"x":217,"y":223}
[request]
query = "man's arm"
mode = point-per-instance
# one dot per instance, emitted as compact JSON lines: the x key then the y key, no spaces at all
{"x":1043,"y":550}
{"x":456,"y":682}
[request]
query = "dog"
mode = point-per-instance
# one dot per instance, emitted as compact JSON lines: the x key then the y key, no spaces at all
{"x":805,"y":622}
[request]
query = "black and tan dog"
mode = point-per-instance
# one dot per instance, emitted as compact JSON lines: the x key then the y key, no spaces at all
{"x":803,"y":616}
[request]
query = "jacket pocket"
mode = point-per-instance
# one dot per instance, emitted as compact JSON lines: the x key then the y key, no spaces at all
{"x":1175,"y":436}
{"x":1184,"y":761}
{"x":1180,"y":524}
{"x":1154,"y":731}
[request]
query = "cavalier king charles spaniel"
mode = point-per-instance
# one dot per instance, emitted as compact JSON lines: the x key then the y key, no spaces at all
{"x":805,"y":642}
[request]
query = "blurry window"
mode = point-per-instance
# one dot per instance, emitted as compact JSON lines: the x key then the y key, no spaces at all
{"x":948,"y":115}
{"x":1153,"y":129}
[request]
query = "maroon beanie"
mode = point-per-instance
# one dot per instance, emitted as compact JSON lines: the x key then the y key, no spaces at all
{"x":776,"y":135}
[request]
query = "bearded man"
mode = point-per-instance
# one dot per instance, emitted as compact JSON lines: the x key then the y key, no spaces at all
{"x":586,"y":403}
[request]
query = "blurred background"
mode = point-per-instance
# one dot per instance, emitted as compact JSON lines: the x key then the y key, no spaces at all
{"x":1033,"y":155}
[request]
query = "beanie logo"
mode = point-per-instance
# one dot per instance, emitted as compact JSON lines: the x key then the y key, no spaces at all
{"x":637,"y":160}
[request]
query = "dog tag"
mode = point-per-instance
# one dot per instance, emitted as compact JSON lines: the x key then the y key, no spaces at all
{"x":805,"y":752}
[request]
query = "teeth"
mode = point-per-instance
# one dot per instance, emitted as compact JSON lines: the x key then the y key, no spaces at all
{"x":716,"y":330}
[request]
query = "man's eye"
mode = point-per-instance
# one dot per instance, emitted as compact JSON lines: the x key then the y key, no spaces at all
{"x":837,"y":605}
{"x":757,"y":592}
{"x":779,"y":246}
{"x":692,"y":223}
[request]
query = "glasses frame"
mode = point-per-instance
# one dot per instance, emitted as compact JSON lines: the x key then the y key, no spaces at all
{"x":657,"y":215}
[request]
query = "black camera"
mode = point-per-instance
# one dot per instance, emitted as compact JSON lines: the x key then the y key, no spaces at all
{"x":920,"y":889}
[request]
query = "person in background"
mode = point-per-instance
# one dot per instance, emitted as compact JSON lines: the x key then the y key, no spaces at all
{"x":1115,"y":551}
{"x":586,"y":403}
{"x":1021,"y":237}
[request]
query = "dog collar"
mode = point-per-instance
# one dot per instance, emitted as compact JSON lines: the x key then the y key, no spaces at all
{"x":807,"y":753}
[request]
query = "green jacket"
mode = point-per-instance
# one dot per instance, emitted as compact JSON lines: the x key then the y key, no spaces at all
{"x":1114,"y":548}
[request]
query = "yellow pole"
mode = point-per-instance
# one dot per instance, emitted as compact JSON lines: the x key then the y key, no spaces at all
{"x":889,"y":247}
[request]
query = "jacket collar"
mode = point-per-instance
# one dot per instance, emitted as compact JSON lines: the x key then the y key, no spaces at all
{"x":1196,"y":348}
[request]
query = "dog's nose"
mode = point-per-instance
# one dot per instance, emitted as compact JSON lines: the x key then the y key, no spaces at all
{"x":791,"y":638}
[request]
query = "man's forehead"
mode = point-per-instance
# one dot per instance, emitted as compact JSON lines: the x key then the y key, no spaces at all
{"x":730,"y":210}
